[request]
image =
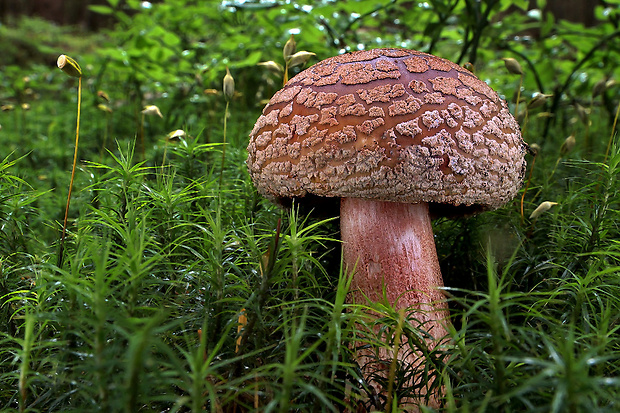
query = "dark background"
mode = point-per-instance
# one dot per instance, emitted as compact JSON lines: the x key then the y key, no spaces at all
{"x":76,"y":12}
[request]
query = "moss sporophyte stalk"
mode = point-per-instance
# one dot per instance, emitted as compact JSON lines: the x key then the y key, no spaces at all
{"x":289,"y":48}
{"x":228,"y":87}
{"x":148,"y":110}
{"x":71,"y":67}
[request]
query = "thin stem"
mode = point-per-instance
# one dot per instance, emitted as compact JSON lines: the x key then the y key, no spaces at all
{"x":26,"y":356}
{"x":106,"y":131}
{"x":142,"y":138}
{"x":285,"y":78}
{"x":555,"y":166}
{"x":527,"y":185}
{"x":77,"y":138}
{"x":163,"y":161}
{"x":586,"y":138}
{"x":518,"y":96}
{"x":224,"y":142}
{"x":611,"y":137}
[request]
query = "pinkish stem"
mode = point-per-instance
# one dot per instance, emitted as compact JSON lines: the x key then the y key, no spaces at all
{"x":391,"y":247}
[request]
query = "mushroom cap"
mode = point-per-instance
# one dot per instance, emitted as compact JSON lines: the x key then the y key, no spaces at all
{"x":392,"y":125}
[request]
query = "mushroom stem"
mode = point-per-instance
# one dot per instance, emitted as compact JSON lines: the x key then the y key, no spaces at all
{"x":392,"y":249}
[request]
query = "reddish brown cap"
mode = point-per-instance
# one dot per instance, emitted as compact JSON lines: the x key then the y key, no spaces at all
{"x":388,"y":124}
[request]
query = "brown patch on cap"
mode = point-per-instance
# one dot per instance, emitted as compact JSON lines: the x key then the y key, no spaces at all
{"x":434,"y":98}
{"x":416,"y":65}
{"x":406,"y":106}
{"x":383,"y":93}
{"x":445,"y":85}
{"x":418,"y":86}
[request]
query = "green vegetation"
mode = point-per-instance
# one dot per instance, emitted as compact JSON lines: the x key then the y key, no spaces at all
{"x":182,"y":289}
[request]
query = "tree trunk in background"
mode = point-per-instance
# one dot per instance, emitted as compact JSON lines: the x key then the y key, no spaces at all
{"x":577,"y":11}
{"x":64,"y":12}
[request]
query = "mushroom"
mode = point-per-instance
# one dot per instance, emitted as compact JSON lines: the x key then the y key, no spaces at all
{"x":396,"y":135}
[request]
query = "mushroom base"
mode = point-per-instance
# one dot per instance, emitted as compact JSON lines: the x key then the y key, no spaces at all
{"x":391,"y":248}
